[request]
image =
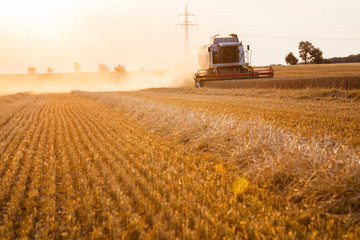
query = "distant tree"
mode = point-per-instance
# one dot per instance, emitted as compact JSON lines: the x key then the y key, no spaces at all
{"x":291,"y":59}
{"x":49,"y":70}
{"x":316,"y":56}
{"x":305,"y":49}
{"x":103,"y":68}
{"x":31,"y":70}
{"x":77,"y":67}
{"x":120,"y":68}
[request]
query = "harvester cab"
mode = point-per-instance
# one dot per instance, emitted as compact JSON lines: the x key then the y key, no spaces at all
{"x":225,"y":58}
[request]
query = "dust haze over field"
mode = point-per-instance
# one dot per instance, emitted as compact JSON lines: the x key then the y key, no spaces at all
{"x":110,"y":81}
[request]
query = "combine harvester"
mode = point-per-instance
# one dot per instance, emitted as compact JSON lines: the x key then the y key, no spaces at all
{"x":226,"y":59}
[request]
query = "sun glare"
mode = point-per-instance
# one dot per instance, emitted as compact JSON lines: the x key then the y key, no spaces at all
{"x":36,"y":12}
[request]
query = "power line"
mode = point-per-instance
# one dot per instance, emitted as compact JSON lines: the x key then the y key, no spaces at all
{"x":296,"y":38}
{"x":227,"y":23}
{"x":186,"y":24}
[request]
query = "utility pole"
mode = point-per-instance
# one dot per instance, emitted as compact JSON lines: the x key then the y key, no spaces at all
{"x":187,"y":24}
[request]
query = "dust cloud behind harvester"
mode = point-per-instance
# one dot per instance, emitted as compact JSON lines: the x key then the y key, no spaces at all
{"x":94,"y":81}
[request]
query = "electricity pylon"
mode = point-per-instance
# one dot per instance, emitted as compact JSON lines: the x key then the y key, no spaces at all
{"x":187,"y":24}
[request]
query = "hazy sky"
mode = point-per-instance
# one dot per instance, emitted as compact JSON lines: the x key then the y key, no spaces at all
{"x":139,"y":33}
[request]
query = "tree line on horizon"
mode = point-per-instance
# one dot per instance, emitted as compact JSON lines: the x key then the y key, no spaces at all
{"x":102,"y":68}
{"x":349,"y":59}
{"x":310,"y":54}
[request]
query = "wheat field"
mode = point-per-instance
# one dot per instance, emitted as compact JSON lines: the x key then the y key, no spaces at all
{"x":322,"y":76}
{"x":180,"y":163}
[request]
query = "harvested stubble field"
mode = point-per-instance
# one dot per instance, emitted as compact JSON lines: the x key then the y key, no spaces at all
{"x":181,"y":163}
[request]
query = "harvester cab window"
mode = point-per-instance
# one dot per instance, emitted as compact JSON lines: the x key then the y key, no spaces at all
{"x":215,"y":58}
{"x":229,"y":54}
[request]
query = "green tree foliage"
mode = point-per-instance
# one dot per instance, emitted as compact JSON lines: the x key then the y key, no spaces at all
{"x":77,"y":67}
{"x":120,"y":68}
{"x":291,"y":59}
{"x":305,"y":49}
{"x":103,"y":68}
{"x":31,"y":70}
